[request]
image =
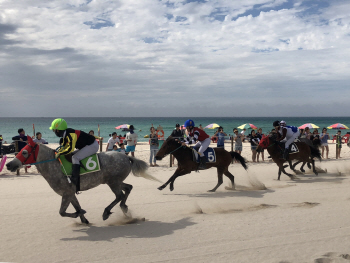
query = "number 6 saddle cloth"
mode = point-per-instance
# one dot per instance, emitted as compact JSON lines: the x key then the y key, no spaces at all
{"x":89,"y":164}
{"x":209,"y":153}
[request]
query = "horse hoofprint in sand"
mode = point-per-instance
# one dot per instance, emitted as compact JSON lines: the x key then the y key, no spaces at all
{"x":115,"y":167}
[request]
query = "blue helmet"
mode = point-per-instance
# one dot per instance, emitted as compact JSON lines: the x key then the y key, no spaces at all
{"x":189,"y":123}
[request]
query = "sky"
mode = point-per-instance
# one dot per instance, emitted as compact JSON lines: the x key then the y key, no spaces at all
{"x":159,"y":58}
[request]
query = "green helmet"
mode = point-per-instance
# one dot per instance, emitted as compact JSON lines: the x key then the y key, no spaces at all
{"x":59,"y":124}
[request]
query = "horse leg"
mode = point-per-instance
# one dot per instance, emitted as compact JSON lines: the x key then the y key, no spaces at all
{"x":66,"y":200}
{"x":295,"y":164}
{"x":302,"y":167}
{"x":313,"y":166}
{"x":220,"y":180}
{"x":279,"y":173}
{"x":283,"y":171}
{"x":231,"y":177}
{"x":292,"y":167}
{"x":171,"y":180}
{"x":127,"y":189}
{"x":119,"y":195}
{"x":77,"y":207}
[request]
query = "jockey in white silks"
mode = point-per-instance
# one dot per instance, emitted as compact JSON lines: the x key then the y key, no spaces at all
{"x":286,"y":133}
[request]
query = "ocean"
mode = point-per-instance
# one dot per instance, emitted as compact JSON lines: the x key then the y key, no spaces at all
{"x":9,"y":126}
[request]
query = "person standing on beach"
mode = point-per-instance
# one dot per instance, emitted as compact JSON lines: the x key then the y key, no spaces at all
{"x":221,"y":137}
{"x":338,"y":143}
{"x":1,"y":145}
{"x":324,"y":141}
{"x":131,"y":139}
{"x":254,"y":142}
{"x":21,"y":138}
{"x":259,"y":134}
{"x":70,"y":140}
{"x":112,"y":141}
{"x":238,"y":138}
{"x":154,"y":144}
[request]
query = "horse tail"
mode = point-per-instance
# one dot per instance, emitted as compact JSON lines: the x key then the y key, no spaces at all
{"x":315,"y":152}
{"x":239,"y":158}
{"x":139,"y":169}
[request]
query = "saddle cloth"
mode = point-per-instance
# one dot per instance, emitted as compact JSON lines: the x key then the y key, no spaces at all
{"x":293,"y":148}
{"x":89,"y":164}
{"x":209,"y":153}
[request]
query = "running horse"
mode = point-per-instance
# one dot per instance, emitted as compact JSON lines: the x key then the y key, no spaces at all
{"x":186,"y":165}
{"x":306,"y":154}
{"x":115,"y":167}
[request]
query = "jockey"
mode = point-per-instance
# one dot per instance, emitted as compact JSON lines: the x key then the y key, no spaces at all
{"x":286,"y":133}
{"x":199,"y":137}
{"x":71,"y":139}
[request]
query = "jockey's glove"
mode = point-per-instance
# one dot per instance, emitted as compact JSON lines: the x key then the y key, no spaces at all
{"x":57,"y":155}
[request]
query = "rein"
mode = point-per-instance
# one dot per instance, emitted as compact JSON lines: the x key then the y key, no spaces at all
{"x":174,"y":150}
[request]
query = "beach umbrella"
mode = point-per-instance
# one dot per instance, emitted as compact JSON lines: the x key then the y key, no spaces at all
{"x":123,"y":126}
{"x":248,"y":126}
{"x":338,"y":126}
{"x":212,"y":126}
{"x":309,"y":125}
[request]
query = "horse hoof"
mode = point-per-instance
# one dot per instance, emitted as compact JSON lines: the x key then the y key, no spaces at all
{"x":160,"y":188}
{"x":211,"y":191}
{"x":85,"y":221}
{"x":106,"y":215}
{"x":82,"y":212}
{"x":171,"y":188}
{"x":124,"y":208}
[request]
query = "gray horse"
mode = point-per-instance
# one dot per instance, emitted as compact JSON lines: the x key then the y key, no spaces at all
{"x":115,"y":167}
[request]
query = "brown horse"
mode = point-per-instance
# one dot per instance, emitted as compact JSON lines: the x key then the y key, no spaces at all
{"x":306,"y":154}
{"x":186,"y":165}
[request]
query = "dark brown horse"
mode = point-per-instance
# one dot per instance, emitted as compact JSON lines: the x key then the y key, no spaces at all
{"x":306,"y":154}
{"x":186,"y":165}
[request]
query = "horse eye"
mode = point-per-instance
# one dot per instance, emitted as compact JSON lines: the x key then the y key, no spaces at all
{"x":25,"y":153}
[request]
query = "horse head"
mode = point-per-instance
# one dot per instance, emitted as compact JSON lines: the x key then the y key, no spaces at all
{"x":27,"y":155}
{"x":264,"y":142}
{"x":169,"y":145}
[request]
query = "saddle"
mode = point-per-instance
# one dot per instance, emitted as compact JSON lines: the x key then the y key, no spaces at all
{"x":87,"y":165}
{"x":209,"y":153}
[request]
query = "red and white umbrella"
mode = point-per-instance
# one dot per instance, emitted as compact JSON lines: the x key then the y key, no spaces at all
{"x":123,"y":126}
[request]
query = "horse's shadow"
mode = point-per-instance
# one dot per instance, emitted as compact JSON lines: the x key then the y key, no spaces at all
{"x":146,"y":229}
{"x":302,"y":179}
{"x":234,"y":193}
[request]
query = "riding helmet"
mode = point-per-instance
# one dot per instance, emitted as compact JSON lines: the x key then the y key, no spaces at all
{"x":59,"y":124}
{"x":189,"y":123}
{"x":276,"y":123}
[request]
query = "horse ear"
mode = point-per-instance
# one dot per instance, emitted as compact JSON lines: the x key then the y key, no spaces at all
{"x":30,"y":141}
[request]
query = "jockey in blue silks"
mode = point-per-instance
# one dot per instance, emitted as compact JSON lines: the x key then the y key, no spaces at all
{"x":286,"y":133}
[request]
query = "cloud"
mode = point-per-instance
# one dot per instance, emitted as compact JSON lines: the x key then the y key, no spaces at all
{"x":147,"y":58}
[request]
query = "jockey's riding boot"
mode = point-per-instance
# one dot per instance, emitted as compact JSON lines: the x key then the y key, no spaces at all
{"x":285,"y":154}
{"x":76,"y":176}
{"x":202,"y":163}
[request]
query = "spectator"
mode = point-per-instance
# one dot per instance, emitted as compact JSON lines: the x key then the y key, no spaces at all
{"x":97,"y":137}
{"x":154,"y":145}
{"x":21,"y":138}
{"x":338,"y":143}
{"x":324,"y":141}
{"x":178,"y":134}
{"x":260,"y":135}
{"x":131,"y":139}
{"x":220,"y":134}
{"x":121,"y":148}
{"x":315,"y":137}
{"x":243,"y":133}
{"x":238,"y":138}
{"x":201,"y":127}
{"x":112,"y":141}
{"x":1,"y":145}
{"x":302,"y":134}
{"x":307,"y":133}
{"x":39,"y":139}
{"x":254,"y":142}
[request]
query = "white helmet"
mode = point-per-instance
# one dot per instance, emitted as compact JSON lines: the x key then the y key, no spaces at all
{"x":283,"y":123}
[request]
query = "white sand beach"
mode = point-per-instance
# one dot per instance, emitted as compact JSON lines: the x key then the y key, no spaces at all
{"x":263,"y":220}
